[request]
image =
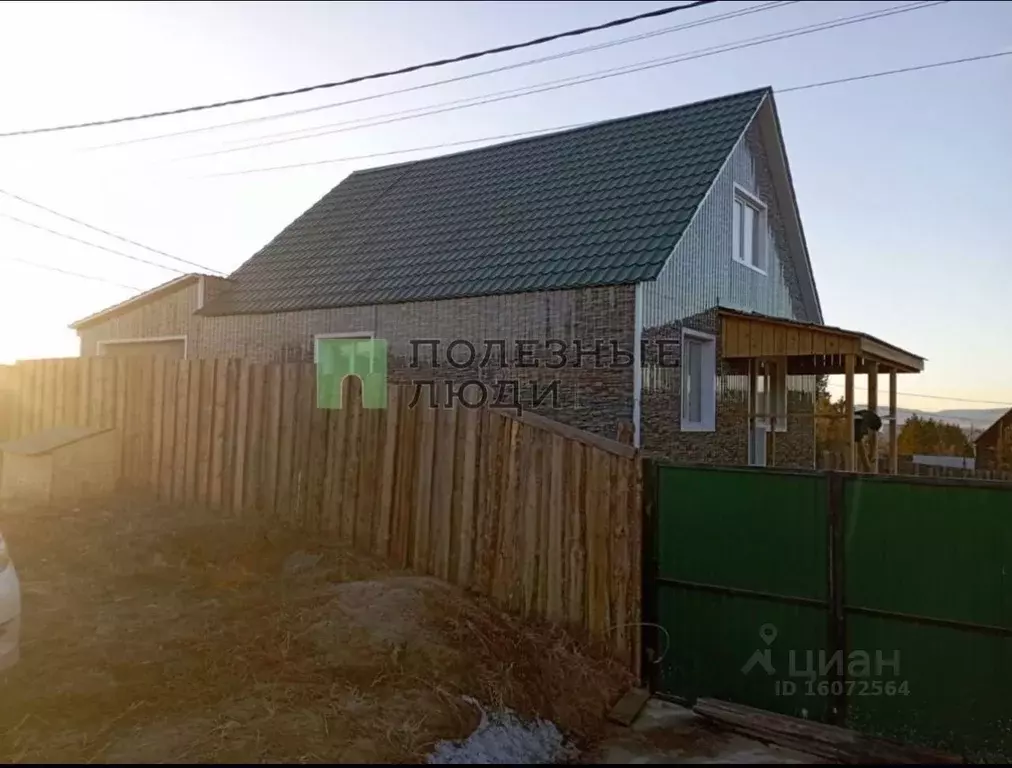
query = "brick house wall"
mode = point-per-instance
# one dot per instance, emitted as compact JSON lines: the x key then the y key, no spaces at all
{"x":597,"y":395}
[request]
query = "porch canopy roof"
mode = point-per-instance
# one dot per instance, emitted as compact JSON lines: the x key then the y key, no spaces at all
{"x":809,"y":348}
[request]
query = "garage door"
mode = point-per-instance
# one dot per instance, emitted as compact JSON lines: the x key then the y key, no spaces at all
{"x":171,"y":349}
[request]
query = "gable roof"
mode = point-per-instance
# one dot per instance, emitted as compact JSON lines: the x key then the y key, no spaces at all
{"x":604,"y":204}
{"x":151,"y":294}
{"x":991,"y":432}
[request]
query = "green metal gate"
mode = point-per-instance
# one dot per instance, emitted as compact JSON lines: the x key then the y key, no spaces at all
{"x":880,"y":603}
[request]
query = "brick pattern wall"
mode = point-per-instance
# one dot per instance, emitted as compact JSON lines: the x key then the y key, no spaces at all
{"x":661,"y":405}
{"x":596,"y":396}
{"x":170,"y":315}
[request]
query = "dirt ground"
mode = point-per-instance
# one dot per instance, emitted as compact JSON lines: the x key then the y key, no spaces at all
{"x":154,"y":635}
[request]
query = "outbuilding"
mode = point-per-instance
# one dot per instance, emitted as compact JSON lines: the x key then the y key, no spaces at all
{"x":60,"y":465}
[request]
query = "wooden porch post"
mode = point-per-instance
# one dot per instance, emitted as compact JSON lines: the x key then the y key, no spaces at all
{"x":873,"y":407}
{"x":850,"y":455}
{"x":752,"y":363}
{"x":893,"y":452}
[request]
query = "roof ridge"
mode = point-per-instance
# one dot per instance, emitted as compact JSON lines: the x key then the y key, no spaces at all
{"x":766,"y":89}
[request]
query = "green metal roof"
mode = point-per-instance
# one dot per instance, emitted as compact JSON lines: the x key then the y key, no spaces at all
{"x":599,"y":205}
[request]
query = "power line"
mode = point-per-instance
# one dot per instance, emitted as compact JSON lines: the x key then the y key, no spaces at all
{"x":89,"y":243}
{"x":534,"y":132}
{"x":934,"y":397}
{"x":667,"y":10}
{"x":38,"y":265}
{"x":459,"y":78}
{"x":551,"y":85}
{"x":26,"y":201}
{"x":916,"y":68}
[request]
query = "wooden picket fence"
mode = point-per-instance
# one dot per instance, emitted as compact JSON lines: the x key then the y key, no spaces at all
{"x":543,"y":518}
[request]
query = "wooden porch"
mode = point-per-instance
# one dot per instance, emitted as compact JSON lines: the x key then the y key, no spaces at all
{"x":748,"y":340}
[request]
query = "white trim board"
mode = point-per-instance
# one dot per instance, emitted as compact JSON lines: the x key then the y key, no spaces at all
{"x":340,"y":335}
{"x":147,"y":340}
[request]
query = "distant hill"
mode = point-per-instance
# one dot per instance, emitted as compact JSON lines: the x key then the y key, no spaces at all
{"x":977,"y":419}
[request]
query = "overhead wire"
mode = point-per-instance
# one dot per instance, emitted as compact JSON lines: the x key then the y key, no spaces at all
{"x":459,"y":78}
{"x":96,"y":278}
{"x":106,"y":232}
{"x":568,"y":126}
{"x":64,"y":235}
{"x":451,"y":106}
{"x":579,"y":31}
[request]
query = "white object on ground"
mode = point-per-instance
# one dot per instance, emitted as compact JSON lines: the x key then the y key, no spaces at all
{"x":503,"y":738}
{"x":10,"y":611}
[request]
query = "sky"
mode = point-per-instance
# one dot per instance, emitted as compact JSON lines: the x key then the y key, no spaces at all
{"x":902,"y":181}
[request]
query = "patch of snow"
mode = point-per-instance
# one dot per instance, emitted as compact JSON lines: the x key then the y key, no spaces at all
{"x":503,"y":738}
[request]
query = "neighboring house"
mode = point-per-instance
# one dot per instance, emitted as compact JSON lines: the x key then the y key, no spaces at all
{"x":994,"y":446}
{"x":948,"y":462}
{"x":160,"y":322}
{"x":647,"y":237}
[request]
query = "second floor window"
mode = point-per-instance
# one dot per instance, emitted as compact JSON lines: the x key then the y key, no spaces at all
{"x":749,"y":230}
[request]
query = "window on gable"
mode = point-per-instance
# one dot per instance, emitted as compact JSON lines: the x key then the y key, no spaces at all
{"x":749,"y":240}
{"x":699,"y":374}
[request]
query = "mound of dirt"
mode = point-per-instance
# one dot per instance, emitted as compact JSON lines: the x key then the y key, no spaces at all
{"x":153,"y":634}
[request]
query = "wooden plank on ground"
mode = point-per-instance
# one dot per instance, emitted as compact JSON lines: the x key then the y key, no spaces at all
{"x":471,"y":426}
{"x":628,"y":707}
{"x":830,"y":742}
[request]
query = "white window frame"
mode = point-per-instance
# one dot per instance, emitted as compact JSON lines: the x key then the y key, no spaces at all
{"x":146,"y":340}
{"x":780,"y":406}
{"x":708,"y":389}
{"x":743,"y":196}
{"x":341,"y":335}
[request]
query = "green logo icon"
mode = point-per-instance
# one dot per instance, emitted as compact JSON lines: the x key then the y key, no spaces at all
{"x":363,"y":358}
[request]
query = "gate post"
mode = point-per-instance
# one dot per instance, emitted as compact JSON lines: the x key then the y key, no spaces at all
{"x":837,"y":623}
{"x":648,"y":588}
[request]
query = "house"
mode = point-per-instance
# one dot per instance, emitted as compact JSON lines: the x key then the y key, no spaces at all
{"x":648,"y":273}
{"x":994,"y":446}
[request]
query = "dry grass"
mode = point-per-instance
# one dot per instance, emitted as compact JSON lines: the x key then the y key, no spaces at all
{"x":154,"y":635}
